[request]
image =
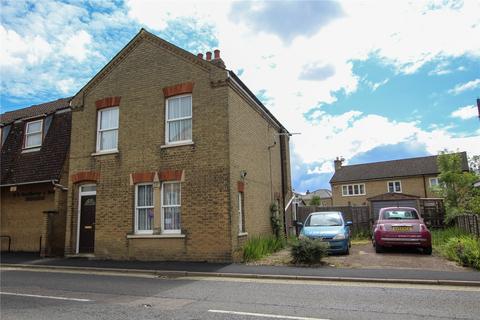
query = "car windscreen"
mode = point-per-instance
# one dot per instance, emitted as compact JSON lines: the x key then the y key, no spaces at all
{"x":400,"y":215}
{"x":324,"y":219}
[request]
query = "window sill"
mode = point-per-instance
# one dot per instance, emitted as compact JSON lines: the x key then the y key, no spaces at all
{"x":100,"y":153}
{"x":180,"y":144}
{"x":243,"y":234}
{"x":33,"y":149}
{"x":155,"y":236}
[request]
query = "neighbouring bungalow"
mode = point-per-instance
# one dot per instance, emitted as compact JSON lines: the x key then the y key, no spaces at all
{"x":34,"y":175}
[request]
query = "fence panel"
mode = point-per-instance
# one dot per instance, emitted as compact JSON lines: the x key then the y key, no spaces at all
{"x":469,"y":223}
{"x":361,"y":218}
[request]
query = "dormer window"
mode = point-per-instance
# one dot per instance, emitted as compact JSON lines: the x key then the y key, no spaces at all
{"x":33,"y":134}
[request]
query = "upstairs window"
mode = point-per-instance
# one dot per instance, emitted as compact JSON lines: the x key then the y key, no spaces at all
{"x":178,"y":126}
{"x":353,"y":189}
{"x":433,"y":182}
{"x":394,"y":186}
{"x":33,"y":134}
{"x":107,"y":130}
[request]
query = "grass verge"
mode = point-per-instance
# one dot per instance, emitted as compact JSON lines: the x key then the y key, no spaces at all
{"x":258,"y":247}
{"x":456,"y":245}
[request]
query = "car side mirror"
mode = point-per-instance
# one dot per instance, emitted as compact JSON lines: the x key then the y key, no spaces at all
{"x":349,"y":223}
{"x":299,"y":223}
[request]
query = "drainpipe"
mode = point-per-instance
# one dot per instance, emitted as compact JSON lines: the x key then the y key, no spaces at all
{"x":424,"y":185}
{"x":270,"y":164}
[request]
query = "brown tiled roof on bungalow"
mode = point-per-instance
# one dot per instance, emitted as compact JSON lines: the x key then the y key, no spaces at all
{"x":46,"y":164}
{"x":35,"y":110}
{"x":391,"y":169}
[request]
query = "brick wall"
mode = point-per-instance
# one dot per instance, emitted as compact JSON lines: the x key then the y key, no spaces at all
{"x":22,"y":215}
{"x":250,"y":138}
{"x":411,"y":185}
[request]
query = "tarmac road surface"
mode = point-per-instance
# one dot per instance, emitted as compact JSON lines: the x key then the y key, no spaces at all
{"x":61,"y":295}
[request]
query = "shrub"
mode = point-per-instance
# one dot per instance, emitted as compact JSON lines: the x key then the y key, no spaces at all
{"x":257,"y":247}
{"x":307,"y":251}
{"x":465,"y":250}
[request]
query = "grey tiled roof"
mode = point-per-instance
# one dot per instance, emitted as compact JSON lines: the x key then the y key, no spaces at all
{"x":390,"y":169}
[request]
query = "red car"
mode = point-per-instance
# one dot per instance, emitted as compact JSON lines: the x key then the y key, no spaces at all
{"x":402,"y":227}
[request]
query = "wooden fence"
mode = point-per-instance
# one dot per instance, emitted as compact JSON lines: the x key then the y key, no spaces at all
{"x":469,"y":223}
{"x":360,"y":216}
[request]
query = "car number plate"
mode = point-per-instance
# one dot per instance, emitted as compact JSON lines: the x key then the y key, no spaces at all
{"x":401,"y":228}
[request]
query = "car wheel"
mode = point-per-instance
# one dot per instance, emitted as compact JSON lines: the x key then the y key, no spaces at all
{"x":427,"y":250}
{"x":378,"y":248}
{"x":347,"y":251}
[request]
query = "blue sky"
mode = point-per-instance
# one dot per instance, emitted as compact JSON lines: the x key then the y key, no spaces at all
{"x":368,"y":81}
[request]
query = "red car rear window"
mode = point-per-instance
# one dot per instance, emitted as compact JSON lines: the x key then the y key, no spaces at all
{"x":400,"y":215}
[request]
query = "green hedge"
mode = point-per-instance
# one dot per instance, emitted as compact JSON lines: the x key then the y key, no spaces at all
{"x":456,"y":245}
{"x":307,"y":251}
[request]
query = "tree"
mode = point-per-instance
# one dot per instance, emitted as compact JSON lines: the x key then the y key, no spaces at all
{"x":315,"y":201}
{"x":456,"y":186}
{"x":474,"y":163}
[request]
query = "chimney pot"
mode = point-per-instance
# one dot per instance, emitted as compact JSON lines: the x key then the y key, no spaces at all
{"x":338,"y":163}
{"x":209,"y":56}
{"x":216,"y":54}
{"x":200,"y":55}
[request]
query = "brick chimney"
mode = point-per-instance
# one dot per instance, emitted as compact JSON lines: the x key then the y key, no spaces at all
{"x":200,"y":55}
{"x":338,"y":163}
{"x":209,"y":55}
{"x":217,"y":60}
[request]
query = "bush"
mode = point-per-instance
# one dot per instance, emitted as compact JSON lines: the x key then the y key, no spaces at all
{"x":465,"y":250}
{"x":257,"y":247}
{"x":307,"y":251}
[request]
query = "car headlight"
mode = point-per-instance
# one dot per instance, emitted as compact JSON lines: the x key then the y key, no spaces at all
{"x":339,"y":236}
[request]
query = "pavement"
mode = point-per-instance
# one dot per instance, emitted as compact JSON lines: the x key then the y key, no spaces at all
{"x":179,"y":269}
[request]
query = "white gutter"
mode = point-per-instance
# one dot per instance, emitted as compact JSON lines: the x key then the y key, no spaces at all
{"x":289,"y":202}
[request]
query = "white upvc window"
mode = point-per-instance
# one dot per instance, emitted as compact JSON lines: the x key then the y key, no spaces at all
{"x":357,"y":189}
{"x":33,"y":134}
{"x":144,"y":208}
{"x":178,"y":127}
{"x":107,"y":129}
{"x":433,"y":182}
{"x":171,"y":207}
{"x":241,"y":216}
{"x":394,"y":187}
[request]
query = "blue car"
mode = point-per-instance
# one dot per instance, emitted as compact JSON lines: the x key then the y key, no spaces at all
{"x":329,"y":227}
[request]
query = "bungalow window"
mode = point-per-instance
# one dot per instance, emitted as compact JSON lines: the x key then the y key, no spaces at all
{"x":171,"y":207}
{"x":144,"y":208}
{"x":394,"y":186}
{"x":353,"y":189}
{"x":33,"y":134}
{"x":107,"y":130}
{"x":433,"y":182}
{"x":178,"y":126}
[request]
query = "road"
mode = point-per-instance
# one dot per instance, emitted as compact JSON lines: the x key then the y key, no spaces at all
{"x":57,"y":295}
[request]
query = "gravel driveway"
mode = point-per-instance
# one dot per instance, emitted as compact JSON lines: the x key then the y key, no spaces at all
{"x":363,"y":255}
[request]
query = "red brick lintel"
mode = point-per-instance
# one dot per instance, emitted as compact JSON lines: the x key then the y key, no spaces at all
{"x":140,"y":177}
{"x":85,"y":176}
{"x":181,"y":88}
{"x":171,"y":175}
{"x":107,"y":102}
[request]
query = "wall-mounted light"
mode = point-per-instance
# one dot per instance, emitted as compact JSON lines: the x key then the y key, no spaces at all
{"x":243,"y":174}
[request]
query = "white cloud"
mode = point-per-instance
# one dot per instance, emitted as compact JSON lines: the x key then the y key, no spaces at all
{"x":470,"y":85}
{"x":466,"y":112}
{"x":76,"y":45}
